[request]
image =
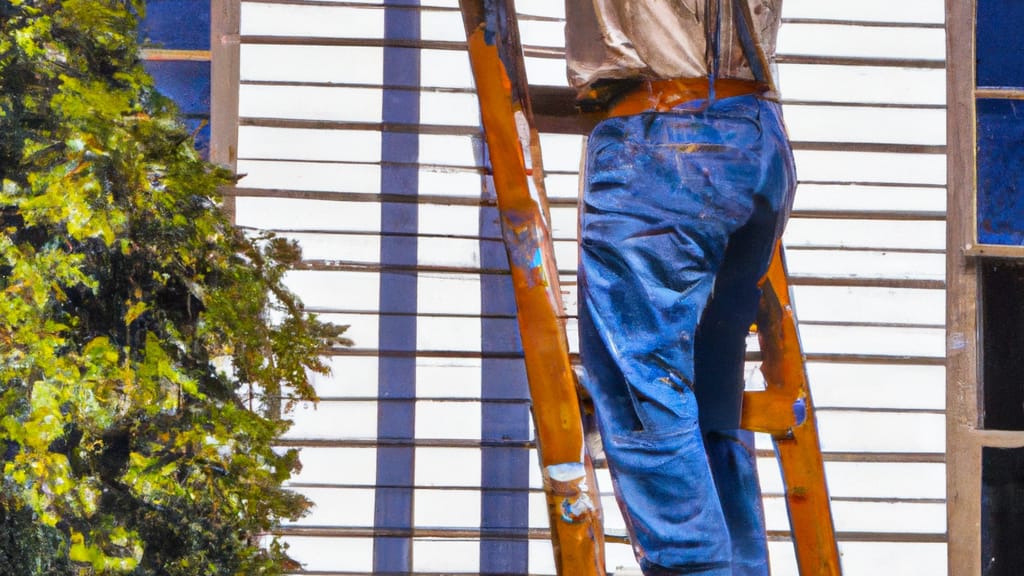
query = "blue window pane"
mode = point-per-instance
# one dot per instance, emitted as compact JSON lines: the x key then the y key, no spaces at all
{"x":185,"y":82}
{"x":1000,"y":44}
{"x":1000,"y":172}
{"x":200,"y":130}
{"x":188,"y":84}
{"x":176,"y":24}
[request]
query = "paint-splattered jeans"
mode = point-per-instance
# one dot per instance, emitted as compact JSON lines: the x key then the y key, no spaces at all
{"x":678,"y":221}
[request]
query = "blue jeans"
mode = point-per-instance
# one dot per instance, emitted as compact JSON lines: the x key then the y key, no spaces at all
{"x":677,"y":224}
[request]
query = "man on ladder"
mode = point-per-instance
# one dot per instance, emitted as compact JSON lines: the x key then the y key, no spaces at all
{"x":687,"y":188}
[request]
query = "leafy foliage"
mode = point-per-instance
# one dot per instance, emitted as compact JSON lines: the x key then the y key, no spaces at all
{"x":140,"y":332}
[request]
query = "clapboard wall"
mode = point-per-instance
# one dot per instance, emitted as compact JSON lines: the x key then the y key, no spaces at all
{"x":359,"y":137}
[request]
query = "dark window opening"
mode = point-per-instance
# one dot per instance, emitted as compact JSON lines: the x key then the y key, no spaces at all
{"x":1002,"y":511}
{"x":1002,"y":343}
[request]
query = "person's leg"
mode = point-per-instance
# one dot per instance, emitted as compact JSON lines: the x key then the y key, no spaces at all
{"x":664,"y":193}
{"x":719,"y":367}
{"x":641,"y":385}
{"x":734,"y":466}
{"x":719,"y":356}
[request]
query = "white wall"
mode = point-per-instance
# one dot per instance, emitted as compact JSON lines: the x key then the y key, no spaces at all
{"x":864,"y":90}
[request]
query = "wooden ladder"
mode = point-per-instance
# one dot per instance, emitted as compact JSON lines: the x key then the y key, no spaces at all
{"x":784,"y":409}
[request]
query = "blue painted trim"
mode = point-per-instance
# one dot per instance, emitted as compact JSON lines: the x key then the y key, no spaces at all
{"x":505,"y":471}
{"x":397,"y":375}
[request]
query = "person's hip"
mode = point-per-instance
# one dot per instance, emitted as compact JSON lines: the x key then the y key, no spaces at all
{"x":663,"y":95}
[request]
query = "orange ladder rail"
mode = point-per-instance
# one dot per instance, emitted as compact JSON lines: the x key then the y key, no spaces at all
{"x":569,"y":482}
{"x":785,"y":410}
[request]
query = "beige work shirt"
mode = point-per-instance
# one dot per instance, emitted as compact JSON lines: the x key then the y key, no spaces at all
{"x":621,"y":39}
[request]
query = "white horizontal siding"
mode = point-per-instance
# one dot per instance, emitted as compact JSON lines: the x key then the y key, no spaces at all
{"x":312,"y":20}
{"x":905,"y":11}
{"x":297,"y":63}
{"x":864,"y":95}
{"x":868,"y":124}
{"x":862,"y":41}
{"x":862,"y":84}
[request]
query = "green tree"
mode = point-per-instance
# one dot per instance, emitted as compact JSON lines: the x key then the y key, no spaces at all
{"x":141,"y":333}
